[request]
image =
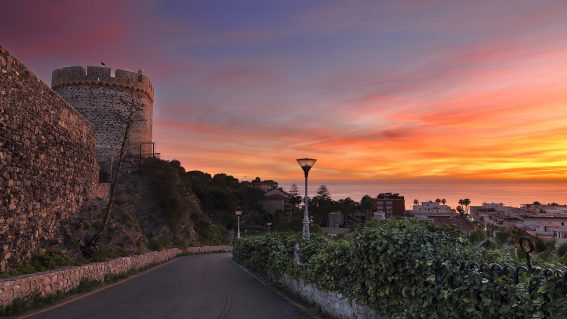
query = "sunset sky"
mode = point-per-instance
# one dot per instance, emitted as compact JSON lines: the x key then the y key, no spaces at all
{"x":375,"y":90}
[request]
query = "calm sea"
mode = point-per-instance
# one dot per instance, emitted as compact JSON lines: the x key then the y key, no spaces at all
{"x":509,"y":193}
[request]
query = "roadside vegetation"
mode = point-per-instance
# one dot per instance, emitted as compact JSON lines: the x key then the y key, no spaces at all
{"x":154,"y":208}
{"x":44,"y":262}
{"x":503,"y":247}
{"x":408,"y":269}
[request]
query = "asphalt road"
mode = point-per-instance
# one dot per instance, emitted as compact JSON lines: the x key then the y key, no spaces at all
{"x":200,"y":286}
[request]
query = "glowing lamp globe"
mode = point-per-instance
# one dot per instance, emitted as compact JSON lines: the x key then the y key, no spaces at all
{"x":306,"y":164}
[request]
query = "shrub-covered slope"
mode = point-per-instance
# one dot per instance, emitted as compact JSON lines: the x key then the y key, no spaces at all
{"x":152,"y":210}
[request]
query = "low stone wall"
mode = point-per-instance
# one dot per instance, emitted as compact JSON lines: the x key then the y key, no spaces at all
{"x":330,"y":303}
{"x":65,"y":279}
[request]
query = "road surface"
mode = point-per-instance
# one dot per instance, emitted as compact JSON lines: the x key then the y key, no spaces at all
{"x":200,"y":286}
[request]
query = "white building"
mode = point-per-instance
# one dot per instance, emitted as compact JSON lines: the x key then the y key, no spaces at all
{"x":276,"y":201}
{"x":497,"y":222}
{"x":494,"y":208}
{"x":555,"y":210}
{"x":336,"y":219}
{"x":379,"y":215}
{"x":431,"y":208}
{"x":544,"y":221}
{"x":545,"y":226}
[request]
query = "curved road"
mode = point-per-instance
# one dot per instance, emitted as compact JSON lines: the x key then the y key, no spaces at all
{"x":200,"y":286}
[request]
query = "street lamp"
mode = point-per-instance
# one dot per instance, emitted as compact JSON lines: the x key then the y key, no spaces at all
{"x":238,"y":213}
{"x":306,"y":164}
{"x":269,"y":227}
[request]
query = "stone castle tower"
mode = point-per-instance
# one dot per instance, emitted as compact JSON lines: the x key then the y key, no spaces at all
{"x":105,"y":101}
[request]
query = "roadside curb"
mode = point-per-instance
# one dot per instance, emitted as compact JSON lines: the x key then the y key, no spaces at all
{"x":302,"y":308}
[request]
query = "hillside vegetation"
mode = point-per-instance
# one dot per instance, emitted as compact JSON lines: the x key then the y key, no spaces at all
{"x":155,"y":208}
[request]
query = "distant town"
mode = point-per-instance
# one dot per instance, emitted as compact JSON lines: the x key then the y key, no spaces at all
{"x":546,"y":221}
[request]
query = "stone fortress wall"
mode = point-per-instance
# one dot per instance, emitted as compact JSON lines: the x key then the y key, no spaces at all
{"x":47,"y":161}
{"x":105,"y":100}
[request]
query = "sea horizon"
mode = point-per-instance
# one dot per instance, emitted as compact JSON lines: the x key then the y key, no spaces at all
{"x":511,"y":193}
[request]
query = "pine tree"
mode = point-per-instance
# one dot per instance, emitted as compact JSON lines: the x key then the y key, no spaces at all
{"x":294,"y":198}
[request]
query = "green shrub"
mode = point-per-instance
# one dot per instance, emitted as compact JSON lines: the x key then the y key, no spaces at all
{"x":166,"y":186}
{"x":492,"y":255}
{"x":157,"y":245}
{"x":477,"y":236}
{"x":107,"y":253}
{"x":38,"y":301}
{"x":562,"y":250}
{"x":502,"y":237}
{"x":43,"y":262}
{"x":213,"y":235}
{"x":405,"y":269}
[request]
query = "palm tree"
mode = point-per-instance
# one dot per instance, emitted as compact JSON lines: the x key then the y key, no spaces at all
{"x":461,"y":211}
{"x":466,"y":202}
{"x":416,"y":202}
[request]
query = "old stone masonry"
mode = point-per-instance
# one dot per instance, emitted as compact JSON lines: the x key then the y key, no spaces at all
{"x":52,"y":140}
{"x":105,"y":101}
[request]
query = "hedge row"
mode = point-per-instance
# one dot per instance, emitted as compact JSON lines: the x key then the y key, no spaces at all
{"x":404,"y":269}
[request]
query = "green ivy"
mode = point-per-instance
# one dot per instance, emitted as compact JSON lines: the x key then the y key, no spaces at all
{"x":405,"y":269}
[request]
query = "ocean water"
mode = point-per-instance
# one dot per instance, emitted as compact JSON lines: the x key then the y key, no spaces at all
{"x":507,"y":192}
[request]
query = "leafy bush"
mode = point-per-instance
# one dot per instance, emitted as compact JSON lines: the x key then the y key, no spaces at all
{"x":562,"y":250}
{"x":43,"y":262}
{"x":37,"y":301}
{"x":405,"y":269}
{"x":157,"y":245}
{"x":107,"y":253}
{"x":477,"y":236}
{"x":166,"y":185}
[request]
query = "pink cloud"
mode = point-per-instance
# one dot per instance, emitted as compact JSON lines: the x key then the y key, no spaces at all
{"x":240,"y":77}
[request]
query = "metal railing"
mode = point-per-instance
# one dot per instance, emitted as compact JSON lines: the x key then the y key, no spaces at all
{"x":496,"y":270}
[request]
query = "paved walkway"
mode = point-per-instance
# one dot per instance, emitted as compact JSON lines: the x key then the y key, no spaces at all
{"x":201,"y":286}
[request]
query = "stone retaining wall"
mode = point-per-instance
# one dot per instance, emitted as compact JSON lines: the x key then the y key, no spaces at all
{"x":65,"y":279}
{"x":333,"y":304}
{"x":47,"y":161}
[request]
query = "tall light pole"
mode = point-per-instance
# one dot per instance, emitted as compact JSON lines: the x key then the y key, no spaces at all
{"x":306,"y":164}
{"x":238,"y":213}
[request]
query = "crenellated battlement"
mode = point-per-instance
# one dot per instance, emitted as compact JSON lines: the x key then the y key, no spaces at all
{"x":106,"y":99}
{"x":101,"y":75}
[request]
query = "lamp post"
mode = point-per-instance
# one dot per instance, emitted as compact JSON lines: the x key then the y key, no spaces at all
{"x":306,"y":164}
{"x":269,"y":227}
{"x":238,"y":213}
